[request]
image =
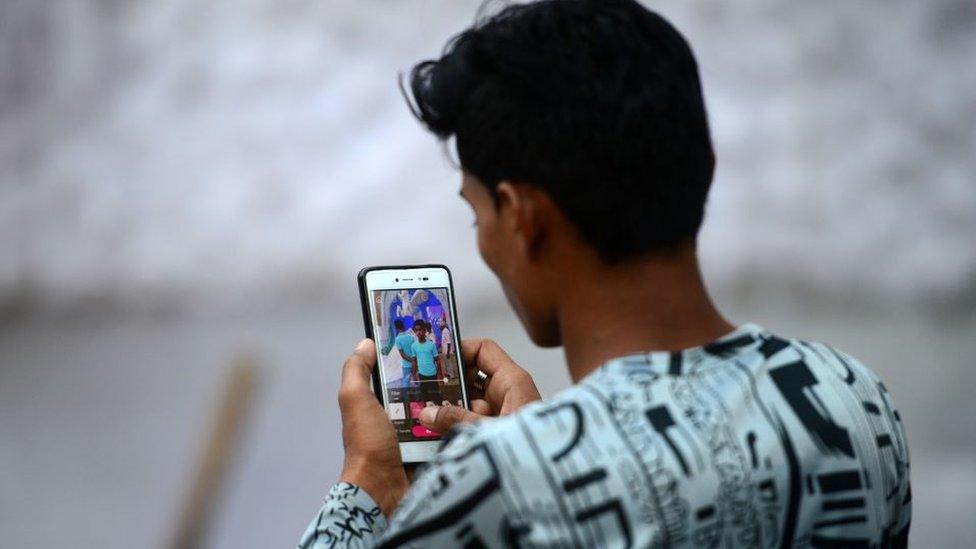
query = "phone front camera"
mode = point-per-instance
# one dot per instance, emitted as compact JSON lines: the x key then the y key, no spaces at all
{"x":397,"y":279}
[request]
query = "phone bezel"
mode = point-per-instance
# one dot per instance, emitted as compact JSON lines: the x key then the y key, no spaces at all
{"x":416,"y":451}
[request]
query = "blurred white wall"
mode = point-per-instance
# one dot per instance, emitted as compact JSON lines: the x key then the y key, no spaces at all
{"x":167,"y":152}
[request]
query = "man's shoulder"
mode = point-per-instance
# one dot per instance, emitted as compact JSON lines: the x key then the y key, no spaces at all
{"x":755,"y":345}
{"x":820,"y":355}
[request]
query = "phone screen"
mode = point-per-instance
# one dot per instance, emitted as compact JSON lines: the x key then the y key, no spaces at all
{"x":418,"y":355}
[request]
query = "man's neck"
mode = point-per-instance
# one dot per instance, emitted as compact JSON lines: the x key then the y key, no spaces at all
{"x":654,"y":304}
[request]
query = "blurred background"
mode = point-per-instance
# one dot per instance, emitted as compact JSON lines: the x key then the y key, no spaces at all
{"x":186,"y":186}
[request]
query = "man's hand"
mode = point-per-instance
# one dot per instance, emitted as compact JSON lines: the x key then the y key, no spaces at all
{"x":372,"y":452}
{"x":509,"y":387}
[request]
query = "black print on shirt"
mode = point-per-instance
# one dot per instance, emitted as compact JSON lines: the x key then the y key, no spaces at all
{"x":797,"y":382}
{"x":751,"y":441}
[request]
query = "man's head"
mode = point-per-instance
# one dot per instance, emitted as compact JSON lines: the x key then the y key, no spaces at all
{"x":420,"y":329}
{"x":398,"y":324}
{"x":582,"y":137}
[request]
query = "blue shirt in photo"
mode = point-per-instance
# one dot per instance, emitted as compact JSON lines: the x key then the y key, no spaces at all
{"x":425,"y":353}
{"x":404,"y":342}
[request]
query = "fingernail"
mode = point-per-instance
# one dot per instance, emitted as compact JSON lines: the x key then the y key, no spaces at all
{"x":428,"y":415}
{"x":362,"y":345}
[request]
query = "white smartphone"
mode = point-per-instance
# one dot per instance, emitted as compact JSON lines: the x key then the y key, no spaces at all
{"x":410,"y":313}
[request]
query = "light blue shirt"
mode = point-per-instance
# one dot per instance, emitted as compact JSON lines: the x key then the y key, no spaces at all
{"x":404,"y":342}
{"x":425,"y":353}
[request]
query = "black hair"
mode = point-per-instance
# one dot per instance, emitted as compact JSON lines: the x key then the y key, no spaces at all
{"x":398,"y":324}
{"x":596,"y":102}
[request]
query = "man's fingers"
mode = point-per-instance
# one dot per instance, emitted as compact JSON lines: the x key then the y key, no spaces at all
{"x":357,"y":370}
{"x":481,"y":407}
{"x":442,"y":418}
{"x":484,"y":354}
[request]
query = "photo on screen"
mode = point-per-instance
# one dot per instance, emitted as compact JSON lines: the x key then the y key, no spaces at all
{"x":414,"y":331}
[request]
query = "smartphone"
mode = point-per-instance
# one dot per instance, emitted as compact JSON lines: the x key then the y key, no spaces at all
{"x":411,"y":315}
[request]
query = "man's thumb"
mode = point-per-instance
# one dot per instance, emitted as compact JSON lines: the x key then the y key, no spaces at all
{"x":442,"y":418}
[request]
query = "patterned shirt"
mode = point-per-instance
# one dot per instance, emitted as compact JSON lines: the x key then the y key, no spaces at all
{"x":750,"y":441}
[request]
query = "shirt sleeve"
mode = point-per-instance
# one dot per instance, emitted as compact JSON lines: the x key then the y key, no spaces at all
{"x":349,"y":518}
{"x":450,"y":495}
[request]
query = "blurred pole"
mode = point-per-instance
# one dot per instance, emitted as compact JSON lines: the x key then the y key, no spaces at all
{"x":200,"y":505}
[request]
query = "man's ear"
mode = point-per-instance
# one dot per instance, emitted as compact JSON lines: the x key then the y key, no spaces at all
{"x":519,"y":212}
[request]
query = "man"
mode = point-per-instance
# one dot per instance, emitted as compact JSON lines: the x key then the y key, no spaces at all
{"x":584,"y":145}
{"x":447,"y":348}
{"x":404,"y":344}
{"x":427,"y":364}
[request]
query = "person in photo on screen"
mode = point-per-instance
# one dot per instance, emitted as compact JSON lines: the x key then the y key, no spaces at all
{"x":404,"y":344}
{"x":428,"y":365}
{"x":415,"y":330}
{"x":447,"y":348}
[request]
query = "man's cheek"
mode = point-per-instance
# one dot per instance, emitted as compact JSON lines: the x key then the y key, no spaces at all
{"x":512,"y":296}
{"x":485,"y":249}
